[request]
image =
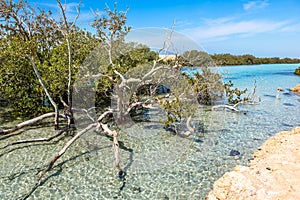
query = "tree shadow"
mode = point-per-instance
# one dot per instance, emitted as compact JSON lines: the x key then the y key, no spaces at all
{"x":12,"y":135}
{"x":35,"y":144}
{"x":40,"y":182}
{"x":6,"y":115}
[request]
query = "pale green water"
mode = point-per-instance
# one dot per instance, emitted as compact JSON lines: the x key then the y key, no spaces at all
{"x":159,"y":165}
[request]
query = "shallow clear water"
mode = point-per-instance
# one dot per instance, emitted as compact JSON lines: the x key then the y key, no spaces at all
{"x":158,"y":164}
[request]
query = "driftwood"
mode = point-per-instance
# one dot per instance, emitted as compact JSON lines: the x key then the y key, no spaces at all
{"x":191,"y":130}
{"x":60,"y":132}
{"x":28,"y":123}
{"x":233,"y":108}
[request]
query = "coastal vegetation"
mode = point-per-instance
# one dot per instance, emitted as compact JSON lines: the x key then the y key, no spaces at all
{"x":228,"y":59}
{"x":297,"y":71}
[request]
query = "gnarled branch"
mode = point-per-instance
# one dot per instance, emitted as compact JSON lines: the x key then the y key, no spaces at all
{"x":28,"y":123}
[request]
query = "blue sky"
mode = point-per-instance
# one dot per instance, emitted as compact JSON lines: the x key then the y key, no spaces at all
{"x":264,"y":28}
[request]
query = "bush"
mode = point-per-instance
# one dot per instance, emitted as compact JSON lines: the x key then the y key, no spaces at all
{"x":297,"y":71}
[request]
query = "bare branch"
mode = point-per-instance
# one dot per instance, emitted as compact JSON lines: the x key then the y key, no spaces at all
{"x":28,"y":123}
{"x":65,"y":148}
{"x":104,"y":115}
{"x":77,"y":16}
{"x":56,"y":120}
{"x":188,"y":125}
{"x":116,"y":147}
{"x":121,"y":76}
{"x":226,"y":106}
{"x":86,"y":111}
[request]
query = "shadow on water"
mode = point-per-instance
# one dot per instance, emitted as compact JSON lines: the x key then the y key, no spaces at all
{"x":268,"y":95}
{"x":30,"y":145}
{"x":287,"y":125}
{"x":31,"y":127}
{"x":6,"y":115}
{"x":12,"y":135}
{"x":288,"y":104}
{"x":58,"y":168}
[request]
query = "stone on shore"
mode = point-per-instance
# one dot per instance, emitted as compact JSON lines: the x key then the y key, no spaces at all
{"x":296,"y":88}
{"x":273,"y":174}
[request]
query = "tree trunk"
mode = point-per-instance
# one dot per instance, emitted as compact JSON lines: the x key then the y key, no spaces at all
{"x":56,"y":119}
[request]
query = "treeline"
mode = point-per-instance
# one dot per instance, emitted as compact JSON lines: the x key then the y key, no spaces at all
{"x":228,"y":59}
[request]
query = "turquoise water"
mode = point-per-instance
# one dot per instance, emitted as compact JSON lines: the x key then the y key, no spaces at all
{"x":158,"y":164}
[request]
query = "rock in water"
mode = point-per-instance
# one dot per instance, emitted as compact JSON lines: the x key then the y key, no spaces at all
{"x":234,"y":153}
{"x":296,"y":88}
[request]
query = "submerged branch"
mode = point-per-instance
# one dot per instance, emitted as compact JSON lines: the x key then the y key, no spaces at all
{"x":65,"y":148}
{"x":116,"y":146}
{"x":188,"y":125}
{"x":233,"y":108}
{"x":78,"y":135}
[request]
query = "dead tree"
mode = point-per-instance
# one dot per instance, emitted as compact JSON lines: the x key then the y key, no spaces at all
{"x":251,"y":99}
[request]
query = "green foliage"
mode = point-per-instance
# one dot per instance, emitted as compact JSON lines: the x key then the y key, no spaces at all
{"x":207,"y":85}
{"x":234,"y":94}
{"x":174,"y":111}
{"x":228,"y":59}
{"x":18,"y":83}
{"x":197,"y":59}
{"x":297,"y":71}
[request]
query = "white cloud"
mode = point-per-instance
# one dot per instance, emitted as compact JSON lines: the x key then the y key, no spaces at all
{"x":255,"y":5}
{"x":71,"y":9}
{"x":292,"y":28}
{"x":217,"y":21}
{"x":246,"y":28}
{"x":158,"y":38}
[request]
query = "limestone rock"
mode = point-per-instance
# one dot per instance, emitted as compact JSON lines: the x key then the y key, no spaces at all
{"x":296,"y":88}
{"x":273,"y":174}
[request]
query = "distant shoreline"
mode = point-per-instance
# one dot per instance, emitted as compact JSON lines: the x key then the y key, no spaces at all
{"x":296,"y":65}
{"x":228,"y":59}
{"x":259,"y":64}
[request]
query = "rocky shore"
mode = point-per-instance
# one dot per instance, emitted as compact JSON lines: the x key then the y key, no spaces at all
{"x":273,"y":174}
